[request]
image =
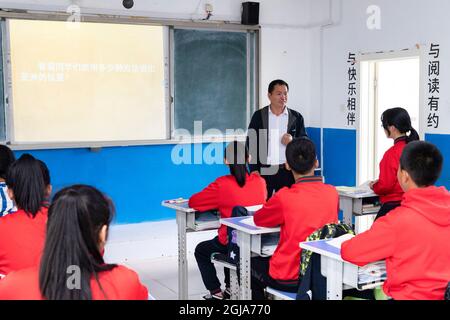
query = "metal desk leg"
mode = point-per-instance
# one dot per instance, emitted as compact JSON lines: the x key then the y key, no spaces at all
{"x":334,"y":278}
{"x":346,"y":205}
{"x":182,"y":261}
{"x":245,"y":292}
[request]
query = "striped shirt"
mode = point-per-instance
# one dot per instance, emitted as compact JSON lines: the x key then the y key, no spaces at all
{"x":6,"y":204}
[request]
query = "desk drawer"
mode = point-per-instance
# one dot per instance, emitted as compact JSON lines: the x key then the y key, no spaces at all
{"x":199,"y":221}
{"x":264,"y":244}
{"x":361,"y":278}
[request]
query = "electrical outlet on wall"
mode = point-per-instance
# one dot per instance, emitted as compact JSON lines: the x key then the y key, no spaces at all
{"x":208,"y":7}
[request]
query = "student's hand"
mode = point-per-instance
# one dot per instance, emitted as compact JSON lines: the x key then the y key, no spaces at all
{"x":286,"y":138}
{"x":372,"y":183}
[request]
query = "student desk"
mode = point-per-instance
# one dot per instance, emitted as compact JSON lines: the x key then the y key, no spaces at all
{"x":361,"y":204}
{"x":341,"y":274}
{"x":250,"y":240}
{"x":188,"y":220}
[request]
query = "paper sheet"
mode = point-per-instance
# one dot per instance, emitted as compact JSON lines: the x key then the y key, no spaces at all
{"x":336,"y":242}
{"x":249,"y":221}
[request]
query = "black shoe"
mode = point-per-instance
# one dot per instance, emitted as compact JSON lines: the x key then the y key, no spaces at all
{"x":227,"y":294}
{"x":214,"y":296}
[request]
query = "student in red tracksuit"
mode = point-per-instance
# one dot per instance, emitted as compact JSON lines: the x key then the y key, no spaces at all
{"x":22,"y":234}
{"x":72,"y":265}
{"x":237,"y":189}
{"x":413,"y":238}
{"x":299,"y":210}
{"x":396,"y":123}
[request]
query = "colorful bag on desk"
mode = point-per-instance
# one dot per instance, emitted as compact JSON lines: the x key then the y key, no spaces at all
{"x":310,"y":276}
{"x":233,"y":248}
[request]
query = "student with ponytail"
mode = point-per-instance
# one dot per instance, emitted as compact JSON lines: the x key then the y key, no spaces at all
{"x":396,"y":123}
{"x":72,"y":265}
{"x":22,"y":234}
{"x":237,"y":189}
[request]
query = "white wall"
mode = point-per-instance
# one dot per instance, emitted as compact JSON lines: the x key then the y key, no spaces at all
{"x":404,"y":23}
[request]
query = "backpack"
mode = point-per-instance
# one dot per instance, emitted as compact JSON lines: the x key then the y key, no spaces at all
{"x":233,"y":248}
{"x":310,"y":276}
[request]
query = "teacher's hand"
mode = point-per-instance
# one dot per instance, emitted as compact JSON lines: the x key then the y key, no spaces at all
{"x":286,"y":138}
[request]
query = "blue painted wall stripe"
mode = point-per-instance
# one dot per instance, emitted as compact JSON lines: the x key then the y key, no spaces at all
{"x":138,"y":178}
{"x":340,"y":156}
{"x":442,"y":141}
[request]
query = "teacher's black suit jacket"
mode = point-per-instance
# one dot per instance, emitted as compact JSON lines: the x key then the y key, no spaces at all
{"x":260,"y":120}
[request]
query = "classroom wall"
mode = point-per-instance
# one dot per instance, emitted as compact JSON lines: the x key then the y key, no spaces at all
{"x":139,"y":178}
{"x":404,"y":23}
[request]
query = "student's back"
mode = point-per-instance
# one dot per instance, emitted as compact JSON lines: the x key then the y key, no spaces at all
{"x":119,"y":283}
{"x":415,"y":237}
{"x":303,"y":208}
{"x":22,"y":234}
{"x":72,"y":265}
{"x":21,"y":240}
{"x":225,"y":193}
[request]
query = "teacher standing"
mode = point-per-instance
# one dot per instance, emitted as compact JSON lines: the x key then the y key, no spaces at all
{"x":270,"y":130}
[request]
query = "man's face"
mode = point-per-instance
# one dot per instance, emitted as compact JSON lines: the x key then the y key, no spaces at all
{"x":279,"y":96}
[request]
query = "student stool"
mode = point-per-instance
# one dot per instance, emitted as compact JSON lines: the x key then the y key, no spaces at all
{"x":220,"y":259}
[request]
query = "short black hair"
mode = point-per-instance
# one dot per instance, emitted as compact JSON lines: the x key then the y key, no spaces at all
{"x":6,"y":159}
{"x":301,"y":155}
{"x":423,"y":162}
{"x":277,"y":82}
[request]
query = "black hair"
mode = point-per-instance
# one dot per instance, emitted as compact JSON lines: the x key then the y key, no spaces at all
{"x":423,"y":162}
{"x":399,"y":118}
{"x":28,"y":178}
{"x":301,"y":155}
{"x":75,"y":219}
{"x":6,"y":158}
{"x":277,"y":82}
{"x":236,"y":153}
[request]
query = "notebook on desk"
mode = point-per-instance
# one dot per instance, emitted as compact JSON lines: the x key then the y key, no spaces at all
{"x":371,"y":275}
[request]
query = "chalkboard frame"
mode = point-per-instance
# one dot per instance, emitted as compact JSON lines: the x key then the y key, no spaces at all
{"x":7,"y":108}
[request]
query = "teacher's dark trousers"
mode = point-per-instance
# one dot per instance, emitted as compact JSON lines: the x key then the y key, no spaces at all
{"x":282,"y":178}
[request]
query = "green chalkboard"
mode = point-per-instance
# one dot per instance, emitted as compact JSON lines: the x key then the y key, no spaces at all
{"x":210,"y":79}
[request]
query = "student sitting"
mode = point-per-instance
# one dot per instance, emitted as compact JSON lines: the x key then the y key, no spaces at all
{"x":396,"y":123}
{"x":237,"y":189}
{"x":22,"y":234}
{"x":413,"y":238}
{"x":72,"y":265}
{"x":300,"y":210}
{"x":6,"y":158}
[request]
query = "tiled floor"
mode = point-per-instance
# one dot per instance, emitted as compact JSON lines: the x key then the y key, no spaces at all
{"x":151,"y":249}
{"x":160,"y":275}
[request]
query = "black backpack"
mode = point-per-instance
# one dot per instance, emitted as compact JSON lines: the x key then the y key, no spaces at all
{"x":233,"y":248}
{"x":310,"y":276}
